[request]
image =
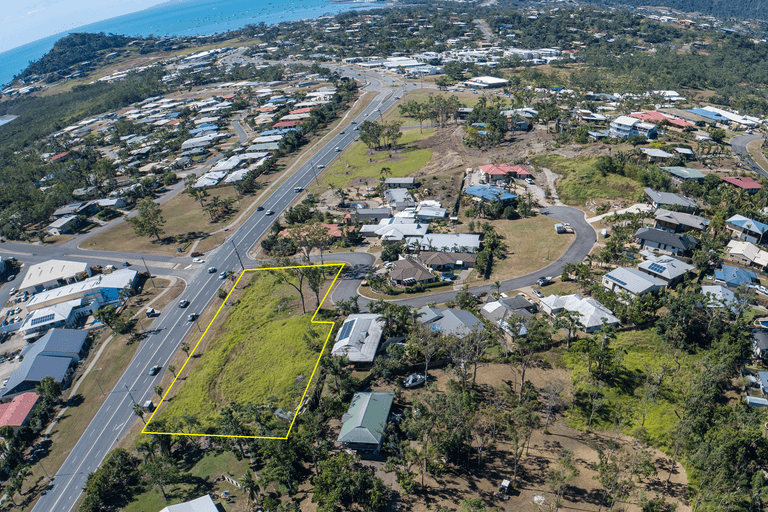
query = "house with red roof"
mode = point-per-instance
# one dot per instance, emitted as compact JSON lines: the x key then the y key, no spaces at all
{"x":502,"y":172}
{"x":305,"y":110}
{"x":745,"y":182}
{"x":16,"y":413}
{"x":60,"y":157}
{"x":658,"y":117}
{"x":285,"y":124}
{"x":333,"y":230}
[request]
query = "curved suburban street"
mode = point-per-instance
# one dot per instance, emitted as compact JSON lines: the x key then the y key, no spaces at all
{"x":116,"y":416}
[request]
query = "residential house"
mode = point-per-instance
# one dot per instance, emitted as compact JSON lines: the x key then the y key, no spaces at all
{"x":681,"y":174}
{"x":624,"y":127}
{"x":447,"y":262}
{"x":201,"y":504}
{"x":760,"y":343}
{"x":501,"y":315}
{"x":62,"y":226}
{"x":747,"y":253}
{"x":447,"y":242}
{"x":52,"y":273}
{"x":364,"y":424}
{"x":719,"y":297}
{"x":449,"y":321}
{"x":16,"y":413}
{"x":392,"y":233}
{"x":366,"y":215}
{"x":359,"y":337}
{"x":656,"y":155}
{"x":114,"y":203}
{"x":659,"y":239}
{"x":408,"y":272}
{"x":667,"y":199}
{"x":679,"y":222}
{"x":743,"y":182}
{"x":502,"y":172}
{"x":666,"y":268}
{"x":733,"y":277}
{"x":83,"y":208}
{"x":592,"y":314}
{"x":400,"y":183}
{"x":399,"y":199}
{"x":53,"y":356}
{"x":489,"y":193}
{"x":632,"y":281}
{"x":520,"y":303}
{"x":747,"y":229}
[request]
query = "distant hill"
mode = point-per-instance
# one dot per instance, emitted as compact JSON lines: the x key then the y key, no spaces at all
{"x":74,"y":49}
{"x":748,"y":9}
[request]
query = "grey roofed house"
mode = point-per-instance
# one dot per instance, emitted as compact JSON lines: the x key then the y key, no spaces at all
{"x":679,"y":221}
{"x":675,"y":243}
{"x":62,"y":225}
{"x":69,"y":343}
{"x":201,"y":504}
{"x":448,"y":242}
{"x":668,"y":269}
{"x":449,"y":321}
{"x":365,"y":421}
{"x":631,"y":280}
{"x":719,"y":297}
{"x":760,"y":343}
{"x":358,"y":338}
{"x":519,"y":302}
{"x":448,"y":260}
{"x":592,"y":314}
{"x":500,"y":315}
{"x":662,"y":199}
{"x":71,"y":209}
{"x":400,"y":182}
{"x":408,"y":270}
{"x":370,"y":214}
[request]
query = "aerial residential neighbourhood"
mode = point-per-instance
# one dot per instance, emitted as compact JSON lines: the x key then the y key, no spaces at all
{"x":454,"y":256}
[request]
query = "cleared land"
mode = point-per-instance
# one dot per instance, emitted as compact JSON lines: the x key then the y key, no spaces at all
{"x":581,"y":182}
{"x":258,"y":355}
{"x":358,"y":162}
{"x":467,"y":99}
{"x":185,"y":221}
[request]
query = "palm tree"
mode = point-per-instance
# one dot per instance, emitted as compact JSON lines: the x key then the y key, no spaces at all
{"x":185,"y":348}
{"x":138,"y":410}
{"x":497,"y":286}
{"x":250,"y":487}
{"x":159,"y":390}
{"x":385,"y":171}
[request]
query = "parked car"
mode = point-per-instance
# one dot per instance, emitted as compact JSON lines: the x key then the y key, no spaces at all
{"x":416,"y":379}
{"x":183,"y":303}
{"x":154,"y":370}
{"x":17,"y":311}
{"x":544,"y":280}
{"x":529,"y":180}
{"x":538,"y":293}
{"x":5,"y":382}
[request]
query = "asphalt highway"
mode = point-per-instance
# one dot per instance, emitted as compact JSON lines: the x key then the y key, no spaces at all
{"x":167,"y":331}
{"x":739,"y":145}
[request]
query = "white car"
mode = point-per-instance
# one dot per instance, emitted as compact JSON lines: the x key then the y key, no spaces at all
{"x":13,"y":290}
{"x":198,"y":260}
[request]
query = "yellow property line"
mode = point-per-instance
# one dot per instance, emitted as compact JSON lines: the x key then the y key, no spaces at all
{"x":317,"y":363}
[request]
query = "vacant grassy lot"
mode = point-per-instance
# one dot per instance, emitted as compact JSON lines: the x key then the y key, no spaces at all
{"x":581,"y":182}
{"x":184,"y":220}
{"x":358,"y":162}
{"x":257,"y":355}
{"x":531,"y":244}
{"x":467,"y":99}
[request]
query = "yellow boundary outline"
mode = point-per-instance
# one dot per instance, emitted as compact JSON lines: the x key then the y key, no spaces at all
{"x":314,"y":370}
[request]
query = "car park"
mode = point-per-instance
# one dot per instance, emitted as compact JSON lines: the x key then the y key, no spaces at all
{"x":183,"y":303}
{"x":154,"y":370}
{"x":211,"y":270}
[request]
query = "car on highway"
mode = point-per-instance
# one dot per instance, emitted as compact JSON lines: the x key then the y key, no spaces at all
{"x":211,"y":270}
{"x":297,"y":189}
{"x":183,"y":303}
{"x":342,"y":132}
{"x":320,"y":166}
{"x":538,"y":293}
{"x":269,"y":212}
{"x":154,"y":370}
{"x":222,"y":275}
{"x":338,"y":149}
{"x":198,"y":260}
{"x":354,"y":122}
{"x":259,"y":208}
{"x":11,"y":278}
{"x":192,"y":317}
{"x":357,"y":128}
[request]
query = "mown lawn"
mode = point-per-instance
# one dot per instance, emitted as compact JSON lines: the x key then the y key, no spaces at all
{"x":640,"y":350}
{"x":581,"y":182}
{"x":358,"y":162}
{"x":258,"y":355}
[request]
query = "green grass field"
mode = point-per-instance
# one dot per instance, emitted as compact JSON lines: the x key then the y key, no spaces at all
{"x":257,"y":355}
{"x":581,"y":182}
{"x":363,"y":164}
{"x":467,"y":99}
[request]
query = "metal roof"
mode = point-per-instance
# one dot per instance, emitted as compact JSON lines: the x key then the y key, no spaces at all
{"x":490,"y":193}
{"x":449,"y":321}
{"x":201,"y":504}
{"x":734,"y":276}
{"x":633,"y":280}
{"x":680,"y":241}
{"x":665,"y":198}
{"x":749,"y":224}
{"x":359,"y":337}
{"x":366,"y":419}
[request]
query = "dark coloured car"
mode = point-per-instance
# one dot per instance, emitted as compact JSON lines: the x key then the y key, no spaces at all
{"x":154,"y":370}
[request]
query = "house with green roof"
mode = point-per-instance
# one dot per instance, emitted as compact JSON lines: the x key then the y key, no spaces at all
{"x":365,"y":422}
{"x":680,"y":174}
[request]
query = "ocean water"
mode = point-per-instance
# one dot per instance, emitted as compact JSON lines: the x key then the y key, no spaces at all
{"x":183,"y":18}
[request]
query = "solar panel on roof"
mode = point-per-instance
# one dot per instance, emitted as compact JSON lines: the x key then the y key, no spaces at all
{"x":42,"y":319}
{"x":346,"y":329}
{"x":655,"y":267}
{"x":622,"y":283}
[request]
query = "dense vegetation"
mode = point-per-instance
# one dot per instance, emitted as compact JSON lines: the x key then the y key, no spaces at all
{"x":722,"y":8}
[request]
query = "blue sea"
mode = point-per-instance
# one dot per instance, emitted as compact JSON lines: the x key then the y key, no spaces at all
{"x":183,"y":18}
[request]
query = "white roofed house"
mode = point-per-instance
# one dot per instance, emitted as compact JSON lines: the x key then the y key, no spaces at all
{"x":747,"y":253}
{"x":62,"y":226}
{"x":448,"y":242}
{"x":631,"y":281}
{"x":359,"y":337}
{"x":624,"y":127}
{"x":592,"y":314}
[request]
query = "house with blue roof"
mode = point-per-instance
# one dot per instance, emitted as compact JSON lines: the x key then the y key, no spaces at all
{"x":733,"y":277}
{"x":490,"y":193}
{"x":747,"y":229}
{"x":708,"y":114}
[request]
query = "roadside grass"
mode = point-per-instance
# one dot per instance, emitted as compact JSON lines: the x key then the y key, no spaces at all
{"x":467,"y":99}
{"x":84,"y":405}
{"x":185,"y":220}
{"x":531,"y":244}
{"x":581,"y":181}
{"x":639,"y":349}
{"x":257,"y":354}
{"x":362,"y":164}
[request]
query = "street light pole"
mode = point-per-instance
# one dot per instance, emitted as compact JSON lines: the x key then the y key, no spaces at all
{"x":238,"y":254}
{"x":148,"y":272}
{"x":314,"y":171}
{"x":34,"y":452}
{"x":129,"y":394}
{"x":97,"y":381}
